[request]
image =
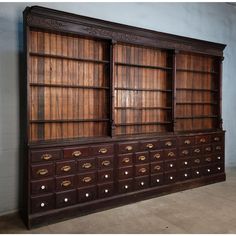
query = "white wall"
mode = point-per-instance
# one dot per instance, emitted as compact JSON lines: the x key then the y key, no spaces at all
{"x":207,"y":21}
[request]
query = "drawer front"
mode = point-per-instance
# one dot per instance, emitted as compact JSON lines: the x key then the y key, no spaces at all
{"x":219,"y":147}
{"x":46,"y":155}
{"x":76,"y":152}
{"x":197,"y":172}
{"x":197,"y":151}
{"x":186,"y":141}
{"x":185,"y":152}
{"x":125,"y":173}
{"x":168,"y":143}
{"x":157,"y":167}
{"x":102,"y":150}
{"x":105,"y":176}
{"x":42,"y":203}
{"x":207,"y":149}
{"x":170,"y":177}
{"x":87,"y":179}
{"x":87,"y":194}
{"x":141,"y":170}
{"x":208,"y":159}
{"x":141,"y":182}
{"x":105,"y":190}
{"x":127,"y":147}
{"x":219,"y":167}
{"x":185,"y":174}
{"x":184,"y":163}
{"x":208,"y":170}
{"x":141,"y":157}
{"x":65,"y":183}
{"x":218,"y":157}
{"x":86,"y":165}
{"x":65,"y":168}
{"x":202,"y":139}
{"x":148,"y":145}
{"x":157,"y":180}
{"x":125,"y":160}
{"x":197,"y":161}
{"x":105,"y":162}
{"x":217,"y":138}
{"x":170,"y":165}
{"x":170,"y":154}
{"x":156,"y":155}
{"x":65,"y":198}
{"x":42,"y":186}
{"x":42,"y":171}
{"x":125,"y":186}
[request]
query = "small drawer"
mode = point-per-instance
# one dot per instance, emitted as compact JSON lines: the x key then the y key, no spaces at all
{"x":125,"y":160}
{"x":157,"y":180}
{"x":170,"y":154}
{"x":218,"y":147}
{"x":141,"y":157}
{"x":105,"y":190}
{"x":141,"y":182}
{"x":64,"y":199}
{"x":42,"y":171}
{"x":196,"y":172}
{"x":125,"y":173}
{"x":184,"y":175}
{"x":76,"y":152}
{"x":170,"y":177}
{"x":186,"y":141}
{"x":65,"y":183}
{"x":208,"y":170}
{"x":125,"y":186}
{"x":185,"y":152}
{"x":42,"y":186}
{"x":86,"y":165}
{"x":197,"y":161}
{"x":184,"y":163}
{"x":45,"y":155}
{"x":168,"y":143}
{"x":208,"y":159}
{"x":87,"y":194}
{"x":156,"y":155}
{"x":127,"y":147}
{"x":157,"y":167}
{"x":216,"y":138}
{"x":202,"y":139}
{"x":219,"y":167}
{"x":65,"y":167}
{"x":105,"y":162}
{"x":105,"y":176}
{"x":207,"y":149}
{"x":218,"y":157}
{"x":197,"y":151}
{"x":141,"y":170}
{"x":84,"y":180}
{"x":170,"y":165}
{"x":42,"y":203}
{"x":106,"y":149}
{"x":148,"y":145}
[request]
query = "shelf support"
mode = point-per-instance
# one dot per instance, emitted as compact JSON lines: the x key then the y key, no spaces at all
{"x":220,"y":121}
{"x":174,"y":53}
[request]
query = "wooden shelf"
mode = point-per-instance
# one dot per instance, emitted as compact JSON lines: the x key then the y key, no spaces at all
{"x":144,"y":108}
{"x":146,"y":123}
{"x":198,"y":89}
{"x":143,"y":66}
{"x":147,"y":90}
{"x":69,"y":120}
{"x":196,"y":103}
{"x":68,"y":58}
{"x":196,"y":71}
{"x":195,"y":117}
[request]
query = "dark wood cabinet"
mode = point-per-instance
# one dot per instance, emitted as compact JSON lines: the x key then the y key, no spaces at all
{"x":116,"y":114}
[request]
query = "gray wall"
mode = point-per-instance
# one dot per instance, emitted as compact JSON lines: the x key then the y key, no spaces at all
{"x":207,"y":21}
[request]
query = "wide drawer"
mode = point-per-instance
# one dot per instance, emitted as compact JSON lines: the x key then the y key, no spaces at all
{"x":87,"y":194}
{"x":65,"y":183}
{"x":67,"y":198}
{"x":148,"y":145}
{"x":76,"y":152}
{"x":127,"y":147}
{"x":45,"y":155}
{"x":42,"y":203}
{"x":42,"y":171}
{"x":42,"y":186}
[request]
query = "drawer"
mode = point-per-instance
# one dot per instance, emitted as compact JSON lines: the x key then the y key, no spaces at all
{"x":65,"y":183}
{"x":148,"y":145}
{"x":186,"y":141}
{"x":125,"y":160}
{"x":156,"y":155}
{"x":45,"y":155}
{"x":207,"y":160}
{"x":157,"y":167}
{"x":217,"y":138}
{"x":208,"y":170}
{"x":87,"y":194}
{"x":65,"y":168}
{"x":202,"y":139}
{"x":101,"y":150}
{"x":170,"y":177}
{"x":127,"y":147}
{"x":141,"y":157}
{"x":141,"y":182}
{"x":125,"y":186}
{"x":87,"y":179}
{"x":67,"y":198}
{"x":219,"y":167}
{"x":170,"y":154}
{"x":197,"y":151}
{"x":197,"y":161}
{"x":125,"y":173}
{"x":170,"y":165}
{"x":218,"y":157}
{"x":42,"y":171}
{"x":168,"y":143}
{"x":185,"y":152}
{"x":76,"y":152}
{"x":105,"y":176}
{"x":207,"y":149}
{"x":157,"y":180}
{"x":42,"y":203}
{"x":141,"y":170}
{"x":184,"y":175}
{"x":86,"y":165}
{"x":105,"y":190}
{"x":218,"y":147}
{"x":196,"y":172}
{"x":105,"y":162}
{"x":42,"y":186}
{"x":184,"y":163}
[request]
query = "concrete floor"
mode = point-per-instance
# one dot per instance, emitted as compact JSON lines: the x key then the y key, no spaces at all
{"x":208,"y":209}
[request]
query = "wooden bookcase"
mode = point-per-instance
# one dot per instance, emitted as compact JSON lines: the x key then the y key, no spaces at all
{"x":115,"y":114}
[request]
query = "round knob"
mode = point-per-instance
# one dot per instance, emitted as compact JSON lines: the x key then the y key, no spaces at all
{"x":42,"y":204}
{"x":218,"y":158}
{"x":185,"y":175}
{"x":65,"y":199}
{"x":218,"y":168}
{"x":171,"y":165}
{"x":197,"y":172}
{"x":157,"y":180}
{"x":126,"y":186}
{"x":43,"y":187}
{"x":171,"y":177}
{"x":106,"y":190}
{"x":208,"y":170}
{"x":87,"y":195}
{"x":106,"y":176}
{"x":142,"y":183}
{"x":126,"y":172}
{"x":186,"y":163}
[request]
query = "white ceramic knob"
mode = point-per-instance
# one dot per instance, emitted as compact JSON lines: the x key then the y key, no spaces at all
{"x":218,"y":158}
{"x":126,"y":186}
{"x":142,"y":183}
{"x":106,"y":176}
{"x":106,"y":190}
{"x":197,"y":172}
{"x":157,"y":180}
{"x":218,"y":168}
{"x":186,"y":163}
{"x":65,"y":199}
{"x":42,"y":204}
{"x":171,"y":165}
{"x":208,"y":170}
{"x":171,"y":177}
{"x":186,"y":175}
{"x":87,"y":195}
{"x":126,"y":172}
{"x":43,"y":187}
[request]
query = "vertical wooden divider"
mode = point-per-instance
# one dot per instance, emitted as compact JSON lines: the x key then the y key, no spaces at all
{"x":174,"y":52}
{"x":220,"y":121}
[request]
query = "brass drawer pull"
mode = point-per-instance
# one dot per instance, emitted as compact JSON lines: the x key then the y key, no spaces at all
{"x":125,"y":160}
{"x":142,"y":170}
{"x":66,"y":168}
{"x":216,"y":139}
{"x":197,"y":150}
{"x":142,"y":158}
{"x":187,"y":141}
{"x":106,"y":163}
{"x":65,"y":183}
{"x":87,"y":165}
{"x":208,"y":159}
{"x":169,"y":144}
{"x":129,"y":148}
{"x":87,"y":179}
{"x":157,"y":168}
{"x":149,"y":145}
{"x":218,"y":147}
{"x":46,"y":156}
{"x":202,"y":140}
{"x":208,"y":149}
{"x":157,"y":155}
{"x":171,"y":154}
{"x":102,"y":150}
{"x":185,"y":152}
{"x":197,"y":161}
{"x":76,"y":153}
{"x":42,"y":172}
